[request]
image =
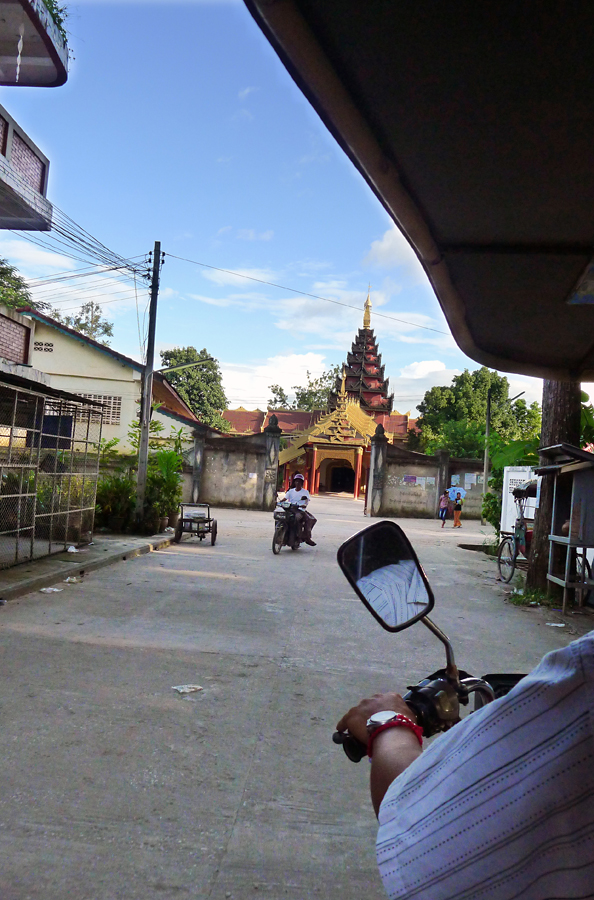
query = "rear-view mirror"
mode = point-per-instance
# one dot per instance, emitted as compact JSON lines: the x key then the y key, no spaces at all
{"x":382,"y":567}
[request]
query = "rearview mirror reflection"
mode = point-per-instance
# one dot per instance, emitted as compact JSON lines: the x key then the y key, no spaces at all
{"x":383,"y":568}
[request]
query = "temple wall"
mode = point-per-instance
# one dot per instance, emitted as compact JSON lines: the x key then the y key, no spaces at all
{"x":410,"y":498}
{"x":409,"y":485}
{"x":234,"y":471}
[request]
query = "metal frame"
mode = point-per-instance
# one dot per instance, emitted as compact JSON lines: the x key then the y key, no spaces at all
{"x":49,"y":466}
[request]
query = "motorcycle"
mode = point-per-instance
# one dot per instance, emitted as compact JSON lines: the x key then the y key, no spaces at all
{"x":287,"y":530}
{"x":382,"y":567}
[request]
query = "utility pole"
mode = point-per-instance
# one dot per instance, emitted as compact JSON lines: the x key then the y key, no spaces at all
{"x":147,"y":385}
{"x":486,"y":459}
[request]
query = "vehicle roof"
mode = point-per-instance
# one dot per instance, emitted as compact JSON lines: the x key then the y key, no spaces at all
{"x":474,"y":125}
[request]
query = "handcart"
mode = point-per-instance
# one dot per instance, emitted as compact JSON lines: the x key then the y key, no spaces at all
{"x":195,"y":519}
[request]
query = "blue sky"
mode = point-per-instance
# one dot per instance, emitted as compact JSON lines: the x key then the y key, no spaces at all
{"x":179,"y":123}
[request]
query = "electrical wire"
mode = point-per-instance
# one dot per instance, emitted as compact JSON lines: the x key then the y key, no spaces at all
{"x":304,"y":293}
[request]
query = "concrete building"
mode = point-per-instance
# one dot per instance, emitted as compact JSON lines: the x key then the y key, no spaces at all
{"x":33,"y":53}
{"x":79,"y":364}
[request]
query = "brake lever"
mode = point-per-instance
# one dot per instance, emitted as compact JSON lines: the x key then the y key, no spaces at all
{"x":353,"y":748}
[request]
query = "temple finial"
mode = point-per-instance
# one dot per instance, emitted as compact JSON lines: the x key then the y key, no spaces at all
{"x":367,"y":313}
{"x":343,"y":385}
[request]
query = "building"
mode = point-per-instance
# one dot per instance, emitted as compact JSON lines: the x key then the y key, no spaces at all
{"x":33,"y":53}
{"x":331,"y":447}
{"x":48,"y":453}
{"x":78,"y":364}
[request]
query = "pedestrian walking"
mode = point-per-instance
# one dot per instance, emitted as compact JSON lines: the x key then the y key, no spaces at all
{"x":444,"y":502}
{"x":458,"y":510}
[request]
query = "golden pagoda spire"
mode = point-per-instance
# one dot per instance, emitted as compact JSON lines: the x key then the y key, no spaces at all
{"x":342,"y":396}
{"x":367,"y":313}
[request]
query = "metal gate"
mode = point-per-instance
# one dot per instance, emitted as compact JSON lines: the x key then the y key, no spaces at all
{"x":48,"y":471}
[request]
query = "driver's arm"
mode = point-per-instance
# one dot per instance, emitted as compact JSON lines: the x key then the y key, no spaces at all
{"x":393,"y":749}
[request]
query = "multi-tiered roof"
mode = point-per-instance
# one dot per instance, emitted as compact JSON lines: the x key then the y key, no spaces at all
{"x":364,"y":372}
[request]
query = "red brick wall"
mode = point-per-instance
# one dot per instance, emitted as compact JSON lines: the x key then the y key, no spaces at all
{"x":14,"y":340}
{"x":29,"y":166}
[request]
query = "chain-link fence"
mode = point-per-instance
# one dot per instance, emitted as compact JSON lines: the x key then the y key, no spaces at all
{"x":48,"y":472}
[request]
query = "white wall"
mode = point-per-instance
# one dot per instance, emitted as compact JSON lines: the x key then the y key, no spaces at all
{"x":82,"y":369}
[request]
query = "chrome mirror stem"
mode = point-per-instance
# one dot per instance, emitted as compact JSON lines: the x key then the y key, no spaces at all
{"x":451,"y":668}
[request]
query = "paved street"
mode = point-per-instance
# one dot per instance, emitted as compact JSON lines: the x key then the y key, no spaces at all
{"x":114,"y":786}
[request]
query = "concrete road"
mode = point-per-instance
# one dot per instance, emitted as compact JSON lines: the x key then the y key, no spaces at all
{"x":114,"y":786}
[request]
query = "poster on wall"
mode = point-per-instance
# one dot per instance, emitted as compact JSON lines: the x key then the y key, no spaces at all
{"x":430,"y":481}
{"x":410,"y":479}
{"x":469,"y":478}
{"x":455,"y":479}
{"x":421,"y":481}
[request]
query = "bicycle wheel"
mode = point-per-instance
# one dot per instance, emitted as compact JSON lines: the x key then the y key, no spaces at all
{"x":278,"y":539}
{"x":506,"y":559}
{"x":583,"y":569}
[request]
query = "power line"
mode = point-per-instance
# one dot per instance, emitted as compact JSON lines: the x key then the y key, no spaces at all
{"x":304,"y":293}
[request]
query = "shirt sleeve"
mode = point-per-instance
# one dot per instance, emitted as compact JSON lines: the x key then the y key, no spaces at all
{"x":501,"y":806}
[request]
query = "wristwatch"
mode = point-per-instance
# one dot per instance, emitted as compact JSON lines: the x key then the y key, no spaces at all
{"x":389,"y":718}
{"x":380,"y":718}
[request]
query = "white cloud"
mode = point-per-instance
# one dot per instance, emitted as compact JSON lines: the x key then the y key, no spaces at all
{"x":234,"y":278}
{"x":248,"y":385}
{"x":242,"y":115}
{"x":32,"y":260}
{"x":392,"y":251}
{"x":246,"y":92}
{"x":224,"y":230}
{"x":421,"y":369}
{"x":248,"y":234}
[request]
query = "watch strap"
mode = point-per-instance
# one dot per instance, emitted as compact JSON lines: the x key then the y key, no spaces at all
{"x":399,"y":721}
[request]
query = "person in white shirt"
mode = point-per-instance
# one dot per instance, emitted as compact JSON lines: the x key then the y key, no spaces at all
{"x":298,"y":494}
{"x":501,"y":807}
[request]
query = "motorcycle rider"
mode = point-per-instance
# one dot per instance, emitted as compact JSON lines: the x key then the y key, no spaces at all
{"x":298,"y":494}
{"x":499,"y":807}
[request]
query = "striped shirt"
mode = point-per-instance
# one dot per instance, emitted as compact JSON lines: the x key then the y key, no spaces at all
{"x":502,"y":806}
{"x":397,"y":592}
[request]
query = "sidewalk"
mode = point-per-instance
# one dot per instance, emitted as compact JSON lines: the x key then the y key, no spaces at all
{"x":50,"y":570}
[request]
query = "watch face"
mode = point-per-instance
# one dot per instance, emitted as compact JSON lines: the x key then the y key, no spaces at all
{"x":381,"y":717}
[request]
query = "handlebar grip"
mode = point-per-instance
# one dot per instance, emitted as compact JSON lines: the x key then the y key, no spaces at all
{"x":353,"y":748}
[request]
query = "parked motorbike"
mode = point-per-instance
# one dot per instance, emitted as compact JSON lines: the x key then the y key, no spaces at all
{"x":382,"y":567}
{"x":287,"y":530}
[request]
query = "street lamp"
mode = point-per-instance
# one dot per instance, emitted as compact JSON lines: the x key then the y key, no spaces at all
{"x":199,"y":362}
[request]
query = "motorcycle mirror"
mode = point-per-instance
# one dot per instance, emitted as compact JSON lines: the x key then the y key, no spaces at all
{"x":382,"y":567}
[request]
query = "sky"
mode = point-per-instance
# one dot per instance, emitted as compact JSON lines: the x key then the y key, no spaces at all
{"x":178,"y":123}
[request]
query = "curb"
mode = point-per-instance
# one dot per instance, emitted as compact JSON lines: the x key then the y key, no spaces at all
{"x":47,"y":579}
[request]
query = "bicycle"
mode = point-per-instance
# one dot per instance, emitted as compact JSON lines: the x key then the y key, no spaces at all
{"x":517,"y":542}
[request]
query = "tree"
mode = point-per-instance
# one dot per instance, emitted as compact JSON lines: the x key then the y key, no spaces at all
{"x":89,"y":321}
{"x":200,"y":386}
{"x":453,"y":417}
{"x":279,"y":399}
{"x":561,"y":422}
{"x":316,"y":393}
{"x":14,"y":291}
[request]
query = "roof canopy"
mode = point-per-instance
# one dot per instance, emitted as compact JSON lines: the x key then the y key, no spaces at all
{"x":474,"y":125}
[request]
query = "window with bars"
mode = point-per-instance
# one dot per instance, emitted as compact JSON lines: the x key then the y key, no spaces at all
{"x":112,"y":408}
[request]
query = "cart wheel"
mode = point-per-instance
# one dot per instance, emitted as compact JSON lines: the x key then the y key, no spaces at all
{"x":506,"y":559}
{"x":278,"y":539}
{"x":213,"y":533}
{"x":583,"y":570}
{"x":179,"y":530}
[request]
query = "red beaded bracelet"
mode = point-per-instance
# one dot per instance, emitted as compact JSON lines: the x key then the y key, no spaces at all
{"x":397,"y":721}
